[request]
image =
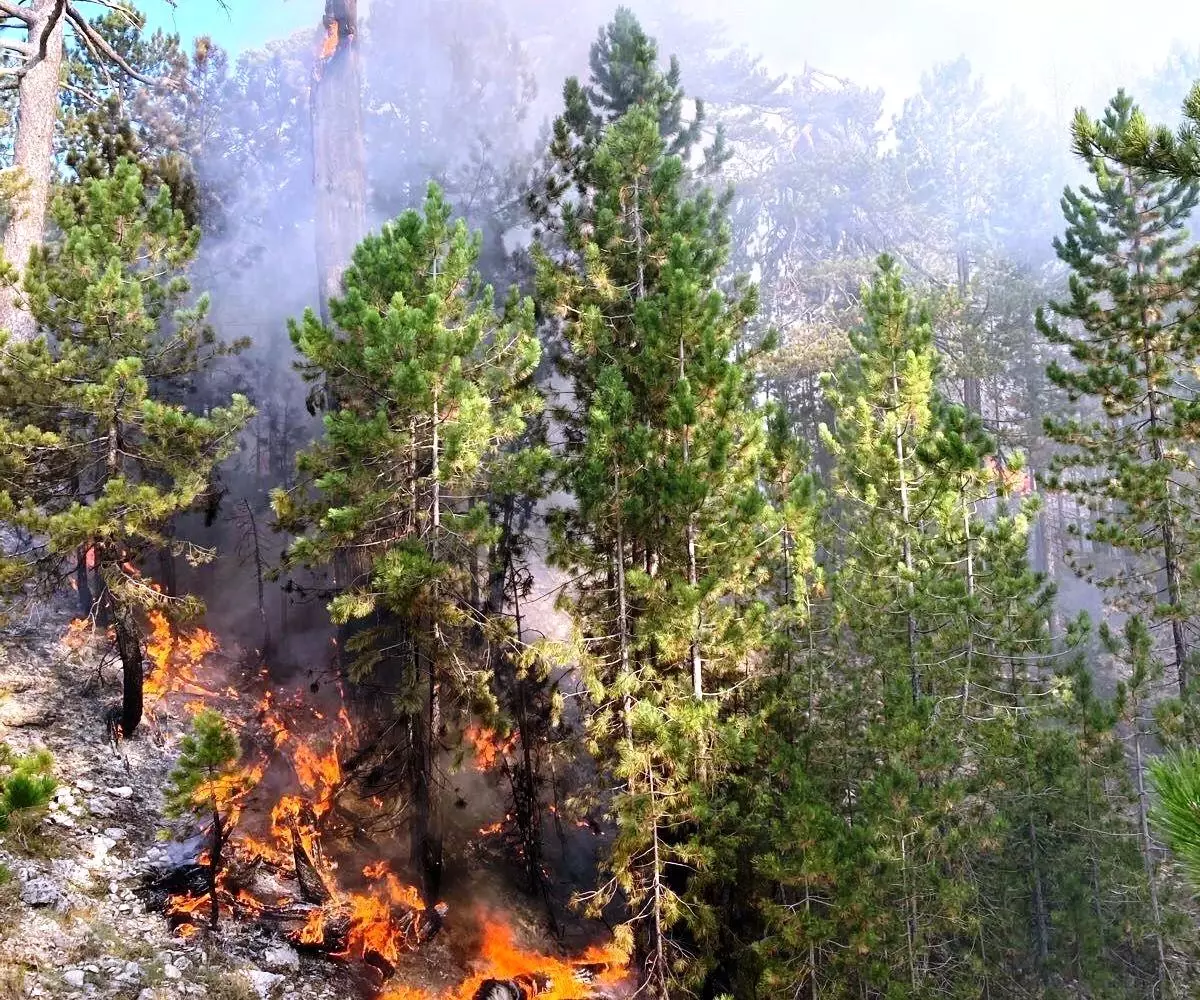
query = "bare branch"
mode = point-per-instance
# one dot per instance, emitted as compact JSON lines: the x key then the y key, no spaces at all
{"x":12,"y":45}
{"x":86,"y":31}
{"x":127,"y":12}
{"x":10,"y":9}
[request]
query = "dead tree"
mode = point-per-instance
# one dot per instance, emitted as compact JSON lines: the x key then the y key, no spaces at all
{"x":339,"y":152}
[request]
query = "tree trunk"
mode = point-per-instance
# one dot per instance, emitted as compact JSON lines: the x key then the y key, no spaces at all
{"x":339,"y":152}
{"x":1147,"y":849}
{"x":82,"y":584}
{"x":431,"y":858}
{"x":214,"y":868}
{"x":33,"y":156}
{"x":129,"y":645}
{"x":972,"y":386}
{"x":914,"y":668}
{"x":1171,"y":554}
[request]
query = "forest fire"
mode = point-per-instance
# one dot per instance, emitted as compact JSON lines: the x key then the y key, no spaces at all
{"x":329,"y":43}
{"x":281,"y":858}
{"x":176,"y":658}
{"x":509,"y":972}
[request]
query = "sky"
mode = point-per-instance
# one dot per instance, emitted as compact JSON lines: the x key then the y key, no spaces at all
{"x":1059,"y":52}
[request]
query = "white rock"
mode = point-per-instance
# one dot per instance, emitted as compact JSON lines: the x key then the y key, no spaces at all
{"x":123,"y":792}
{"x":148,"y":994}
{"x":99,"y":807}
{"x":101,"y":845}
{"x":172,"y":973}
{"x":283,"y":957}
{"x":41,"y":892}
{"x":264,"y":983}
{"x":182,"y":963}
{"x":74,"y":977}
{"x":84,"y":785}
{"x":62,"y":819}
{"x":115,"y":833}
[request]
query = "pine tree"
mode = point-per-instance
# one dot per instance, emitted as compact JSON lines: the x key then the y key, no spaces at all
{"x":99,"y":455}
{"x":206,"y":783}
{"x":663,"y":445}
{"x":432,"y":382}
{"x":1133,"y":333}
{"x":1145,"y":147}
{"x":26,"y":784}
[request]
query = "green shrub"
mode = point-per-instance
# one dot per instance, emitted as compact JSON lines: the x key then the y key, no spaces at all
{"x":26,"y":784}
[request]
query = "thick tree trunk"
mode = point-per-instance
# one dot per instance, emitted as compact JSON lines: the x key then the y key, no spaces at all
{"x":33,"y":155}
{"x":339,"y":153}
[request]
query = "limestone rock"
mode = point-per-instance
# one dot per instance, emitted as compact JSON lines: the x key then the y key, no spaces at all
{"x":265,"y":983}
{"x":283,"y":957}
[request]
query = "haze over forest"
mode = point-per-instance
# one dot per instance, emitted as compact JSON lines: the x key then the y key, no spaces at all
{"x":527,"y":500}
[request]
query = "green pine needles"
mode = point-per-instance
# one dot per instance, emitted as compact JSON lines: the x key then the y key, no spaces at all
{"x":206,"y":784}
{"x":26,"y":785}
{"x":98,"y":451}
{"x":1132,"y":330}
{"x":431,"y":385}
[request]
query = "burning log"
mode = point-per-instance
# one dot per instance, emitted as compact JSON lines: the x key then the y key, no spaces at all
{"x":521,"y":988}
{"x":312,"y":885}
{"x":526,"y":987}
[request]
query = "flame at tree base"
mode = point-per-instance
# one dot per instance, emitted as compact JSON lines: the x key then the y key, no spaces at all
{"x":263,"y":878}
{"x":535,"y":975}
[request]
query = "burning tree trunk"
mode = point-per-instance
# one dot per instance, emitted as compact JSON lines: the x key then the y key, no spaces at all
{"x":339,"y":155}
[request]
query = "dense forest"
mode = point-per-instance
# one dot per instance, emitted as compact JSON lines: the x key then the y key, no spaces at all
{"x":796,"y":505}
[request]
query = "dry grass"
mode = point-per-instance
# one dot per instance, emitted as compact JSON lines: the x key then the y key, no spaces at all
{"x":223,"y":984}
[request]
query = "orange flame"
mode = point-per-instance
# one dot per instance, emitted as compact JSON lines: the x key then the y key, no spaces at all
{"x":176,"y":658}
{"x":551,"y":978}
{"x":329,"y":43}
{"x":489,"y":749}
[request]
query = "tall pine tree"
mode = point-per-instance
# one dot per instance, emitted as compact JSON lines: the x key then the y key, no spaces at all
{"x":432,"y":381}
{"x":98,"y":451}
{"x":1133,"y":332}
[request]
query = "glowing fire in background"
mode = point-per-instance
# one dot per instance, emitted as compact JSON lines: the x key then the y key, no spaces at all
{"x":490,"y":750}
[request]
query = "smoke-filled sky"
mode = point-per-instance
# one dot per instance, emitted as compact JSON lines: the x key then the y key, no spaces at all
{"x":1060,"y":52}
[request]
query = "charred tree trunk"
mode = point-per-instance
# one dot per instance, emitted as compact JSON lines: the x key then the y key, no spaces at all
{"x":214,"y":868}
{"x":129,"y":645}
{"x":83,"y":585}
{"x":339,"y":153}
{"x":37,"y":115}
